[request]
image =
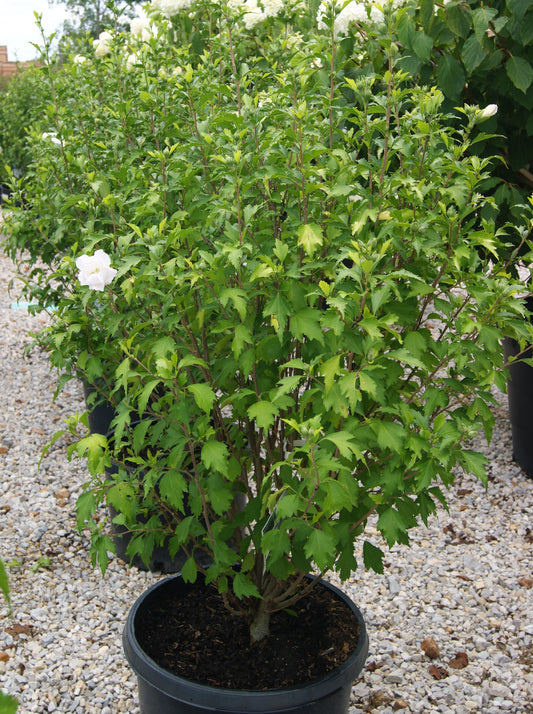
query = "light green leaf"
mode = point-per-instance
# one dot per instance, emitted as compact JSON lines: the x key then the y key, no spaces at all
{"x":243,"y":337}
{"x":261,"y":271}
{"x":345,"y":443}
{"x":320,"y":547}
{"x":305,"y":323}
{"x":214,"y":455}
{"x":203,"y":395}
{"x":310,"y":237}
{"x":368,"y":384}
{"x":264,"y":413}
{"x":330,"y":369}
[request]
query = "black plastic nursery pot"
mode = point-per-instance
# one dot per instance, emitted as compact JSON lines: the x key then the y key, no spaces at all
{"x":100,"y":414}
{"x":162,"y":692}
{"x":520,"y":398}
{"x":160,"y":560}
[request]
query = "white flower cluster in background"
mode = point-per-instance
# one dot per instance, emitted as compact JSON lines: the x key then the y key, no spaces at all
{"x":171,"y":7}
{"x":102,"y":46}
{"x":255,"y":11}
{"x":142,"y":27}
{"x":352,"y":12}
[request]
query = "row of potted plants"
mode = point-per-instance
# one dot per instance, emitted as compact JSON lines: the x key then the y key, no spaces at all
{"x":270,"y":258}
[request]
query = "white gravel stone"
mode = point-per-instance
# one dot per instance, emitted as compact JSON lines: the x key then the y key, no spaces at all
{"x":458,"y":583}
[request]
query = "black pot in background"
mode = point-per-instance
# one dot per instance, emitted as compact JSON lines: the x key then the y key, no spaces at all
{"x":520,"y":398}
{"x":160,"y":560}
{"x":100,"y":412}
{"x":161,"y":692}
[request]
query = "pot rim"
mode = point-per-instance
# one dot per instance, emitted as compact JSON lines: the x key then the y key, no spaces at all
{"x":238,"y":700}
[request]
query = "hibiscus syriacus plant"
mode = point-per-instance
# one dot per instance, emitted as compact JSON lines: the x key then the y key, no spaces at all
{"x":303,"y":330}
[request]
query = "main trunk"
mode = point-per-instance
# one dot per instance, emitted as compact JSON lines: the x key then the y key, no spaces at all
{"x":260,"y":624}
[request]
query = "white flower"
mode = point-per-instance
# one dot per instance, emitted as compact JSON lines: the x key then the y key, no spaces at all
{"x":102,"y":46}
{"x":352,"y":12}
{"x":141,"y":27}
{"x":131,"y":60}
{"x":524,"y":271}
{"x":95,"y":271}
{"x":489,"y":111}
{"x":51,"y":136}
{"x":79,"y":59}
{"x":171,"y":7}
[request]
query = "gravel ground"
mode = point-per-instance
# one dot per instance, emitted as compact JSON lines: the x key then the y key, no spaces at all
{"x":466,"y":581}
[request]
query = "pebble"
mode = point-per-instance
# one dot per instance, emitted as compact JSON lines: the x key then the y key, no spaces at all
{"x":463,"y":590}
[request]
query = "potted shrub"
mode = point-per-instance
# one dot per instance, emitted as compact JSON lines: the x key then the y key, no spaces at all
{"x":303,"y":319}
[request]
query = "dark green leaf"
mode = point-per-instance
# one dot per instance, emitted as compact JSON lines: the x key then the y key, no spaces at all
{"x":450,"y":76}
{"x":320,"y":547}
{"x":243,"y":587}
{"x":373,"y":557}
{"x":472,"y":54}
{"x":519,"y":72}
{"x":189,"y":570}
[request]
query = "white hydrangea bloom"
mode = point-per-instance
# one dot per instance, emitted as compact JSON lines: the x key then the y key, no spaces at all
{"x":102,"y":46}
{"x":79,"y":59}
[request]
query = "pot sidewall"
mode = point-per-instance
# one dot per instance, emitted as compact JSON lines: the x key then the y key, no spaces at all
{"x":157,"y":685}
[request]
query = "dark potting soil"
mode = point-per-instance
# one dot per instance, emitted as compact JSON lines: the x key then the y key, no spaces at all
{"x":192,"y":635}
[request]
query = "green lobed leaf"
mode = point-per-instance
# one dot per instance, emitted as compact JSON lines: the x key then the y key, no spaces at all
{"x":392,"y":526}
{"x":373,"y":557}
{"x":310,"y":238}
{"x":243,"y":587}
{"x":263,"y":413}
{"x":321,"y":547}
{"x":203,"y":395}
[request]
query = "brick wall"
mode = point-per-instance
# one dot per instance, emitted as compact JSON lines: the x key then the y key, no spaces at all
{"x":7,"y":68}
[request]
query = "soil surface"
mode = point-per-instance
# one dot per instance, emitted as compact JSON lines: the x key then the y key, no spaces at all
{"x":192,"y":635}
